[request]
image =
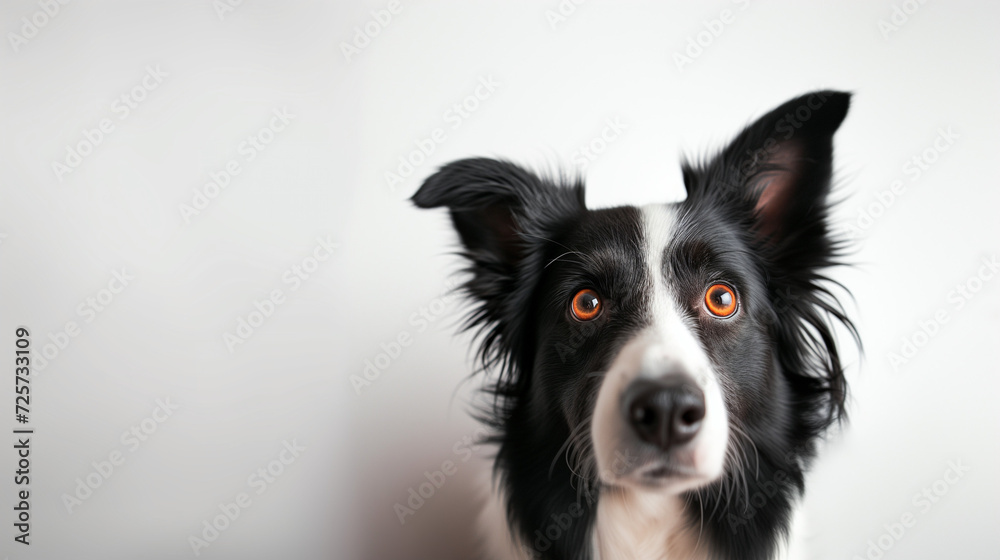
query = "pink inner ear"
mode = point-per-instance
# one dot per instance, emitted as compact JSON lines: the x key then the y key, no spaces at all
{"x":778,"y":181}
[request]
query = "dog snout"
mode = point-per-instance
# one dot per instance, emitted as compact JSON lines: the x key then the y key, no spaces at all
{"x":665,"y":412}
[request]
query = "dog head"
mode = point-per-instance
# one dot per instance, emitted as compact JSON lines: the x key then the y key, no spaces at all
{"x":667,"y":347}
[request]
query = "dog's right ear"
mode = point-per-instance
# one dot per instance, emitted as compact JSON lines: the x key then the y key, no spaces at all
{"x":506,"y":217}
{"x":493,"y":205}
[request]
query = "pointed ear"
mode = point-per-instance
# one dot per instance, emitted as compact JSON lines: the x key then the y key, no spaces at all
{"x":780,"y":166}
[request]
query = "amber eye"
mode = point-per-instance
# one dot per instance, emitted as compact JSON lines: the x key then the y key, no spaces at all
{"x":586,"y":305}
{"x":720,"y":300}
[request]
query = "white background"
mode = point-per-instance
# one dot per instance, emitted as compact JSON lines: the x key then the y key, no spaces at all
{"x":63,"y":236}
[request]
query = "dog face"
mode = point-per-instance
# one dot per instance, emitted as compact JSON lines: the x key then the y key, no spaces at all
{"x":657,"y":348}
{"x":630,"y":349}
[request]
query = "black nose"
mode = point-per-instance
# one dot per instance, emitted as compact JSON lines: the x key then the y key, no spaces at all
{"x":665,"y":413}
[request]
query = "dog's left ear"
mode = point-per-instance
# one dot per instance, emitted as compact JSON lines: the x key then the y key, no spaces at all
{"x":775,"y":178}
{"x":780,"y":166}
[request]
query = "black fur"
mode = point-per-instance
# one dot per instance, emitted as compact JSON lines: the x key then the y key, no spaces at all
{"x":531,"y":244}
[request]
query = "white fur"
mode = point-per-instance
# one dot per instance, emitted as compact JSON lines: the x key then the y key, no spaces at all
{"x":633,"y":520}
{"x":669,"y":343}
{"x":642,"y":525}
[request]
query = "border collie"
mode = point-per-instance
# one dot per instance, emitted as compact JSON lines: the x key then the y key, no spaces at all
{"x":660,"y":375}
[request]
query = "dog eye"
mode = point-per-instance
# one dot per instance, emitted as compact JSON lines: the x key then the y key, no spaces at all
{"x":586,"y":305}
{"x":720,"y":300}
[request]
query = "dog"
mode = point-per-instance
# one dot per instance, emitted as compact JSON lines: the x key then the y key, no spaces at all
{"x":659,"y":375}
